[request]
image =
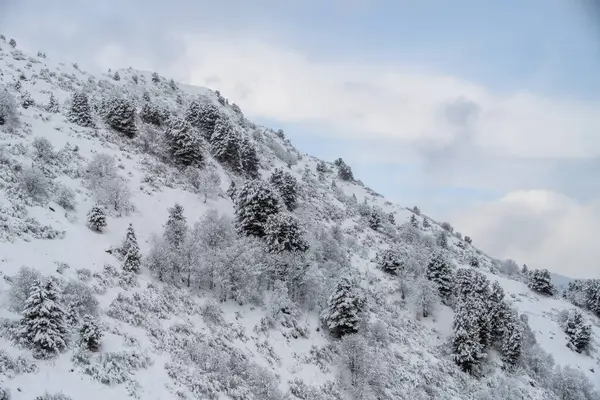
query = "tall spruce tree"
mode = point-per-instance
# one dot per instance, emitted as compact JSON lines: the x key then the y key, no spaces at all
{"x":439,"y":271}
{"x":96,"y":218}
{"x":345,"y":306}
{"x":203,"y":115}
{"x":255,"y":201}
{"x":183,"y":142}
{"x":80,"y":112}
{"x":593,"y":296}
{"x":225,"y":144}
{"x":176,"y":226}
{"x":468,"y":351}
{"x":131,"y":251}
{"x":250,"y":161}
{"x":287,"y":187}
{"x":512,"y":339}
{"x":389,"y":261}
{"x":43,"y":323}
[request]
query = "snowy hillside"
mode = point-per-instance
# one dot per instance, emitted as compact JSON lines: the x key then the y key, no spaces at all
{"x":277,"y":276}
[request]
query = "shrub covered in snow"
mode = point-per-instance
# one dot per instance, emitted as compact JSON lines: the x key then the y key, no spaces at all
{"x":9,"y":116}
{"x":64,"y":196}
{"x":35,"y":184}
{"x":43,"y":148}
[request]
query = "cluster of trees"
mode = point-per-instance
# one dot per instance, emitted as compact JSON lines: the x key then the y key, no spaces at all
{"x":584,"y":293}
{"x":483,"y":319}
{"x":45,"y":325}
{"x":344,"y":170}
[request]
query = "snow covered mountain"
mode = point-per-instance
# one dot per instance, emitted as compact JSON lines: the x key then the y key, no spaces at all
{"x":157,"y":244}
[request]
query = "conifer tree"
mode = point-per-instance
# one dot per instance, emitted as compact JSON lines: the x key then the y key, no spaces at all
{"x":225,"y":144}
{"x":413,"y":221}
{"x":375,"y":220}
{"x":391,"y":218}
{"x":440,"y":272}
{"x":250,"y":161}
{"x":344,"y":170}
{"x":541,"y":282}
{"x":578,"y":332}
{"x":151,"y":114}
{"x":80,"y":112}
{"x":592,"y":294}
{"x":468,"y":352}
{"x":120,"y":116}
{"x":116,"y":76}
{"x":176,"y":226}
{"x":283,"y":233}
{"x":498,"y":312}
{"x":91,"y":333}
{"x":155,"y":77}
{"x":426,"y":223}
{"x":183,"y":142}
{"x":468,"y":239}
{"x":96,"y":218}
{"x":512,"y":339}
{"x":524,"y":270}
{"x":203,"y":116}
{"x":442,"y":239}
{"x":131,"y":251}
{"x":43,"y":322}
{"x":345,"y":306}
{"x":389,"y":261}
{"x":52,"y":106}
{"x":72,"y":315}
{"x":287,"y":186}
{"x":255,"y":201}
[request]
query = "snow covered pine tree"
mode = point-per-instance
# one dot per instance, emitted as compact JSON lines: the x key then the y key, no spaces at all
{"x":255,"y":201}
{"x":131,"y":251}
{"x":80,"y":112}
{"x":287,"y":186}
{"x":43,"y":324}
{"x":467,"y":350}
{"x":283,"y":233}
{"x":90,"y":332}
{"x":96,"y":218}
{"x":439,"y":271}
{"x":183,"y":142}
{"x":578,"y":332}
{"x":120,"y":116}
{"x":250,"y":161}
{"x":539,"y":280}
{"x":389,"y":261}
{"x":345,"y":305}
{"x":176,"y":226}
{"x":225,"y":144}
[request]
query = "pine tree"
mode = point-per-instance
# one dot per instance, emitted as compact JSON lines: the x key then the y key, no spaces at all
{"x":116,"y":76}
{"x":578,"y":332}
{"x":283,"y":233}
{"x":345,"y":306}
{"x":470,"y":282}
{"x":468,"y":239}
{"x":592,"y":293}
{"x":255,"y":201}
{"x":96,"y":218}
{"x":512,"y":339}
{"x":474,"y":262}
{"x":250,"y":161}
{"x":498,"y":312}
{"x":13,"y":43}
{"x":426,"y":223}
{"x":151,"y":114}
{"x":225,"y":144}
{"x":439,"y":271}
{"x":91,"y":333}
{"x":80,"y":112}
{"x":442,"y":239}
{"x":72,"y":315}
{"x":389,"y":261}
{"x":203,"y":116}
{"x":43,"y":322}
{"x":287,"y":186}
{"x":375,"y":220}
{"x":391,"y":218}
{"x":155,"y":77}
{"x":413,"y":221}
{"x":541,"y":282}
{"x":172,"y":85}
{"x":176,"y":226}
{"x":120,"y":116}
{"x":52,"y":106}
{"x":467,"y":350}
{"x":131,"y":251}
{"x":524,"y":270}
{"x":344,"y":171}
{"x":183,"y":142}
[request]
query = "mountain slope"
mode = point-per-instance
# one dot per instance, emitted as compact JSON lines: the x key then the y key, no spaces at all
{"x":199,"y":341}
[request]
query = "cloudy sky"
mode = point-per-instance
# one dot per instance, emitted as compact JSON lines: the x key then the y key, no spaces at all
{"x":483,"y":113}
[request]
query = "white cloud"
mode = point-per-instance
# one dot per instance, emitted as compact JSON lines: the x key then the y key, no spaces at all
{"x":388,"y":101}
{"x":541,"y":228}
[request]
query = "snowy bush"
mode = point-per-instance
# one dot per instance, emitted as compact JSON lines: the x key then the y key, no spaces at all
{"x":12,"y":366}
{"x":114,"y":368}
{"x":91,"y":333}
{"x":539,"y":280}
{"x":55,"y":396}
{"x":212,"y":313}
{"x":284,"y":233}
{"x":64,"y":196}
{"x":206,"y":182}
{"x":22,"y":284}
{"x":81,"y":297}
{"x":43,"y":148}
{"x":571,"y":384}
{"x":8,"y":109}
{"x":34,"y":183}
